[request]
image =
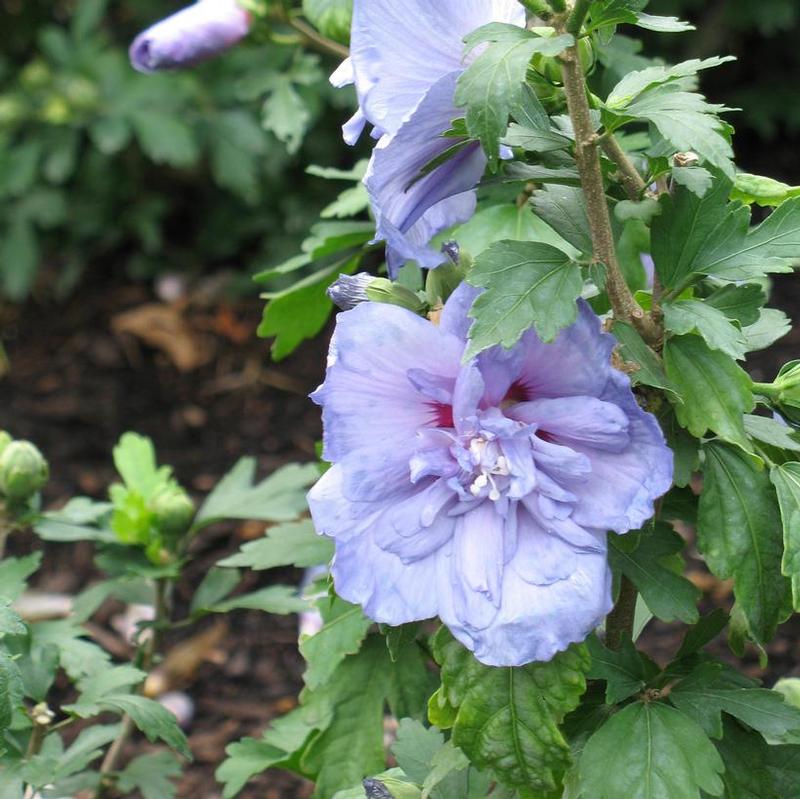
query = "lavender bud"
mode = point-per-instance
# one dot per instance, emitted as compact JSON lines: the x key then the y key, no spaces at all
{"x":189,"y":36}
{"x":350,"y":290}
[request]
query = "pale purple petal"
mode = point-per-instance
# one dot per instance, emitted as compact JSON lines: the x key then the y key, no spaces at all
{"x":399,"y":50}
{"x":411,"y":208}
{"x":191,"y":35}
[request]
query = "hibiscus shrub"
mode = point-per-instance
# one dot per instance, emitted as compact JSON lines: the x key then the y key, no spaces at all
{"x":530,"y":403}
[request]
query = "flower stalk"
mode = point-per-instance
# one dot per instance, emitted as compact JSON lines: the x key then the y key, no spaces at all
{"x":587,"y":158}
{"x":619,"y":623}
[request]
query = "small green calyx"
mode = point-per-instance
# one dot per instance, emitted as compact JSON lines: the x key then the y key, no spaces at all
{"x":23,"y":469}
{"x":174,"y":511}
{"x":784,"y":392}
{"x":383,"y":290}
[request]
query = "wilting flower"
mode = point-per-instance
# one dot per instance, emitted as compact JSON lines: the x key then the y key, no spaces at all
{"x":405,"y":61}
{"x":193,"y":34}
{"x":481,"y":492}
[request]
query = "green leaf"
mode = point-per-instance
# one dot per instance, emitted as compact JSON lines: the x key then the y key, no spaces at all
{"x":135,"y":460}
{"x":739,"y":535}
{"x":670,"y":596}
{"x":344,"y":630}
{"x":527,"y":284}
{"x":564,"y":209}
{"x":447,"y":763}
{"x":10,"y":622}
{"x":763,"y":191}
{"x":650,"y":750}
{"x":151,"y":718}
{"x":351,"y":747}
{"x":11,"y":690}
{"x":774,"y":434}
{"x":277,"y":599}
{"x":508,"y":718}
{"x":165,"y":138}
{"x":292,"y":544}
{"x":784,"y":766}
{"x":14,"y":573}
{"x":786,"y":479}
{"x":625,"y":672}
{"x":696,"y":316}
{"x":301,"y":312}
{"x":746,"y":757}
{"x":216,"y":585}
{"x":85,"y":749}
{"x":715,"y":392}
{"x":765,"y":711}
{"x":649,"y":369}
{"x":704,"y":632}
{"x":152,"y":774}
{"x":740,"y":303}
{"x":278,"y":498}
{"x":286,"y":114}
{"x":663,"y":24}
{"x":76,"y":521}
{"x":771,"y":326}
{"x":330,"y":17}
{"x":696,"y":179}
{"x":492,"y":84}
{"x":635,"y":83}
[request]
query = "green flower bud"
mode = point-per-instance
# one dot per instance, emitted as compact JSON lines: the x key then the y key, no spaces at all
{"x":174,"y":511}
{"x":5,"y":440}
{"x":383,"y":290}
{"x":23,"y":470}
{"x":784,"y":392}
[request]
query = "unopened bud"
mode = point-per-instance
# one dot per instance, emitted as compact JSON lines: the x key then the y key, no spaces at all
{"x":350,"y":290}
{"x":23,"y":470}
{"x":174,"y":511}
{"x":190,"y":36}
{"x":5,"y":440}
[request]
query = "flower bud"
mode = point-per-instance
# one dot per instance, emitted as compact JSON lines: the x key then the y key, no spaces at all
{"x":350,"y":290}
{"x":5,"y":440}
{"x":191,"y":35}
{"x":23,"y":470}
{"x":383,"y":290}
{"x":174,"y":511}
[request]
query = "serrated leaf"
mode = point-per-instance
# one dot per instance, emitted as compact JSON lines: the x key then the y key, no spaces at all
{"x":527,"y":285}
{"x":746,"y":757}
{"x":634,"y":351}
{"x":715,"y":392}
{"x":10,"y":622}
{"x":625,"y":672}
{"x":662,"y":24}
{"x":772,"y":325}
{"x":286,"y":114}
{"x":278,"y":498}
{"x":293,"y":544}
{"x":77,"y":521}
{"x":784,"y":767}
{"x":345,"y":628}
{"x":151,"y":718}
{"x":508,"y":718}
{"x":165,"y":138}
{"x":215,"y":586}
{"x":696,"y":179}
{"x":786,"y":479}
{"x":135,"y":460}
{"x":152,"y":774}
{"x":696,"y":316}
{"x":277,"y":599}
{"x":647,"y":751}
{"x":670,"y":596}
{"x":14,"y":573}
{"x":739,"y":535}
{"x":492,"y":84}
{"x":11,"y":689}
{"x":740,"y":303}
{"x":704,"y":632}
{"x":773,"y":433}
{"x":564,"y":209}
{"x":699,"y":697}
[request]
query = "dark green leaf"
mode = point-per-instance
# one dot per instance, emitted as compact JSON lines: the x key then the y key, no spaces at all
{"x":564,"y":209}
{"x":746,"y":758}
{"x":492,"y":84}
{"x":696,"y":316}
{"x":704,"y":632}
{"x":634,"y":351}
{"x":784,"y":766}
{"x":650,"y":750}
{"x":508,"y":718}
{"x":786,"y":479}
{"x":739,"y":303}
{"x":152,"y":774}
{"x":669,"y":596}
{"x":344,"y":630}
{"x":527,"y":284}
{"x":715,"y":392}
{"x":739,"y":534}
{"x":625,"y":672}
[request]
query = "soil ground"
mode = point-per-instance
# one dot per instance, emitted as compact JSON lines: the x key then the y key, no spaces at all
{"x":76,"y":383}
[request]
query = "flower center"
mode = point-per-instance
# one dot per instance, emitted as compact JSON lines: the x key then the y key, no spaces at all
{"x":489,"y":463}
